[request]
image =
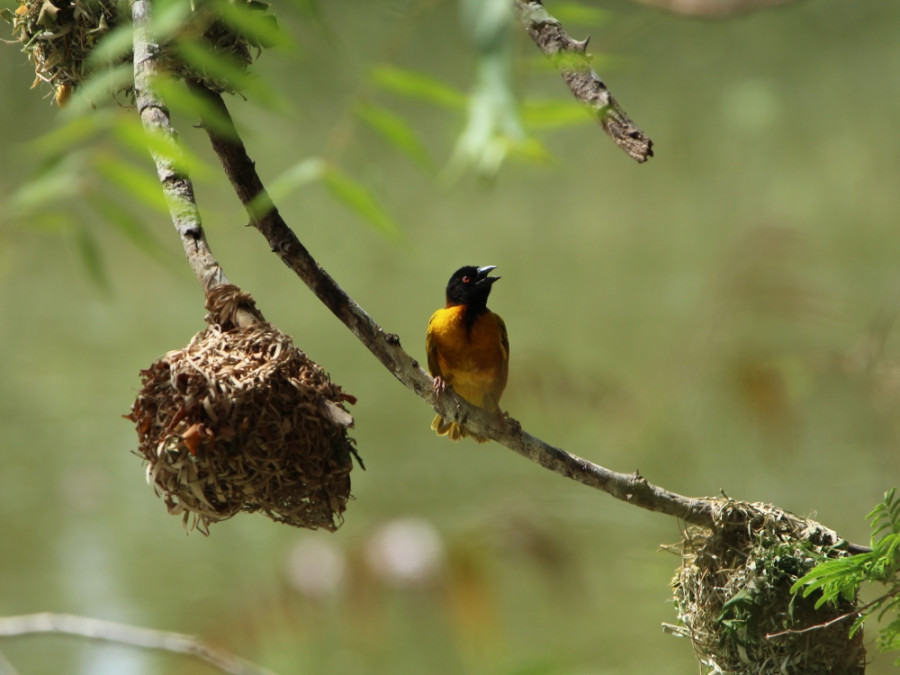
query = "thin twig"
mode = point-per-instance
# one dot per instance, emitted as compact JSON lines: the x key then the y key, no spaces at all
{"x":177,"y":186}
{"x":574,"y":64}
{"x":264,"y":216}
{"x":134,"y":636}
{"x":818,"y":626}
{"x":859,"y":611}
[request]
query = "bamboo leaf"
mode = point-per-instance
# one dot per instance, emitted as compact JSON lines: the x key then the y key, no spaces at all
{"x":74,"y":131}
{"x":58,"y":178}
{"x":554,"y":113}
{"x":395,"y":130}
{"x":182,"y":100}
{"x":169,"y":18}
{"x":133,"y":183}
{"x":91,"y":257}
{"x":113,"y":47}
{"x":99,"y":86}
{"x":300,"y":174}
{"x":577,"y":13}
{"x":229,"y":73}
{"x":253,"y":22}
{"x":132,"y":228}
{"x":132,"y":133}
{"x":419,"y":86}
{"x":358,"y":198}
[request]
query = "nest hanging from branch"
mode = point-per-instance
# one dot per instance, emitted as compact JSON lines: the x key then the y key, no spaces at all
{"x":734,"y":602}
{"x":59,"y":36}
{"x":242,"y":420}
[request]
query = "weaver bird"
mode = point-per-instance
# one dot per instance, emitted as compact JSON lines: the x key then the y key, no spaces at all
{"x":467,"y":347}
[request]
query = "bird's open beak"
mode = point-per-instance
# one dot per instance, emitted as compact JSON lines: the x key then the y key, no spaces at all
{"x":483,"y":273}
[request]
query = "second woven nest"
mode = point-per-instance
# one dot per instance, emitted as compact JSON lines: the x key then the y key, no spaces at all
{"x":734,"y":600}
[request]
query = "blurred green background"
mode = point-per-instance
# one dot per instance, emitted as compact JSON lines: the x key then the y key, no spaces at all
{"x":718,"y":318}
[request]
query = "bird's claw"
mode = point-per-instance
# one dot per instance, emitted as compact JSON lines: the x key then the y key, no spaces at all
{"x":439,"y":386}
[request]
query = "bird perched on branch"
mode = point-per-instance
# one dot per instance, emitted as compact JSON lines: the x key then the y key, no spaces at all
{"x":468,"y":347}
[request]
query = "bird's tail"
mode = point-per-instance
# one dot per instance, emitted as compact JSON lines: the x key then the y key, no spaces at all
{"x":453,"y":430}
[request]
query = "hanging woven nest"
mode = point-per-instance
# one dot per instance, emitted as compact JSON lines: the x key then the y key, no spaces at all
{"x":242,"y":420}
{"x":734,"y":602}
{"x":59,"y":36}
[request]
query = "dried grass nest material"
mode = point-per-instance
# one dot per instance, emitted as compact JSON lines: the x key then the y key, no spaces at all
{"x":733,"y":596}
{"x":58,"y":36}
{"x":242,"y":420}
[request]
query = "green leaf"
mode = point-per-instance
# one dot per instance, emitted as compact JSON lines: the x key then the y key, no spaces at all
{"x":132,"y":228}
{"x":60,"y":177}
{"x":182,"y":100}
{"x":342,"y":187}
{"x":358,"y":198}
{"x":112,"y":47}
{"x":100,"y":86}
{"x":71,"y":133}
{"x":253,"y":22}
{"x":300,"y":174}
{"x":574,"y":12}
{"x":169,"y":18}
{"x":530,"y":149}
{"x":132,"y":133}
{"x":418,"y":86}
{"x":133,"y":183}
{"x":554,"y":113}
{"x":229,"y":73}
{"x":91,"y":256}
{"x":395,"y":130}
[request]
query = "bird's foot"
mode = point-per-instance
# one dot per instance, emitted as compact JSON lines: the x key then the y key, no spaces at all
{"x":439,"y":386}
{"x":512,"y":423}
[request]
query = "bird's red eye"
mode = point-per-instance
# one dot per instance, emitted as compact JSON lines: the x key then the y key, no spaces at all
{"x":466,"y":279}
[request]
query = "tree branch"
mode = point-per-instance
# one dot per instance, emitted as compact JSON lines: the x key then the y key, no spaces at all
{"x":134,"y":636}
{"x":574,"y":64}
{"x":177,"y":186}
{"x":632,"y":488}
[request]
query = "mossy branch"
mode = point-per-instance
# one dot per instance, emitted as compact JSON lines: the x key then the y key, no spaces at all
{"x":177,"y":186}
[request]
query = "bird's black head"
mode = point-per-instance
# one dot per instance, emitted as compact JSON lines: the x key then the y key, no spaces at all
{"x":470,"y":286}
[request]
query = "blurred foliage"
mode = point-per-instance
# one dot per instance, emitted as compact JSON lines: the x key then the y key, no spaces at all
{"x":494,"y":129}
{"x":720,"y":318}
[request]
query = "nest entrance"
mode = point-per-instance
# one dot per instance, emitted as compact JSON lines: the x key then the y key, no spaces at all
{"x":733,"y":597}
{"x":242,"y":420}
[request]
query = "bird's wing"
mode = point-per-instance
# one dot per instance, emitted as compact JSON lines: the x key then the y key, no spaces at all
{"x":431,"y":348}
{"x":503,"y":372}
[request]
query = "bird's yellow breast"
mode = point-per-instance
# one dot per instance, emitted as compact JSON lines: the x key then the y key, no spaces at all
{"x":473,"y":360}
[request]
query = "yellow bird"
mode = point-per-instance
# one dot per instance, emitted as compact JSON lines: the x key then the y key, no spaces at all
{"x":468,"y":347}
